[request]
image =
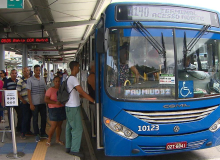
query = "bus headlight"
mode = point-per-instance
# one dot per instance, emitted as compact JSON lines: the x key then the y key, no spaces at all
{"x":119,"y":129}
{"x":215,"y":126}
{"x":127,"y":133}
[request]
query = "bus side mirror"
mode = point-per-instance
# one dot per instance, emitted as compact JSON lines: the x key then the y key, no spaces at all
{"x":102,"y":40}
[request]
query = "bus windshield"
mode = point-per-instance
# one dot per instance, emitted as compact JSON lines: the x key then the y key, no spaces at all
{"x":137,"y":71}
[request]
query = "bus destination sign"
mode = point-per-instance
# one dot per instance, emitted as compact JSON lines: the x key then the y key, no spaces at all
{"x":24,"y":40}
{"x":166,"y":13}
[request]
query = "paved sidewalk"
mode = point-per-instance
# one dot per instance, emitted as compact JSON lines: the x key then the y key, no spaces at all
{"x":28,"y":146}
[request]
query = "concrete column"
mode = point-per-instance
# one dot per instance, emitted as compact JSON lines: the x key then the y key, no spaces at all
{"x":2,"y":57}
{"x":54,"y":68}
{"x":24,"y":56}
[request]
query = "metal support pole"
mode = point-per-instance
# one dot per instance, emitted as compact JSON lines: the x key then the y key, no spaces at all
{"x":15,"y":154}
{"x":42,"y":69}
{"x":48,"y":71}
{"x":13,"y":130}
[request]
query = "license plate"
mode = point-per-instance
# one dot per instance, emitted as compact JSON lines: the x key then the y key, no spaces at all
{"x":176,"y":145}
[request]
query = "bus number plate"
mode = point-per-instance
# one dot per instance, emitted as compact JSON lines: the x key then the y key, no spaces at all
{"x":176,"y":145}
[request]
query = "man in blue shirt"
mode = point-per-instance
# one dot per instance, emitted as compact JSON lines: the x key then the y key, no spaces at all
{"x":11,"y":84}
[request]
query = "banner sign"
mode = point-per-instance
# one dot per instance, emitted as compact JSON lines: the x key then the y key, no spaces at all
{"x":24,"y":40}
{"x":12,"y":4}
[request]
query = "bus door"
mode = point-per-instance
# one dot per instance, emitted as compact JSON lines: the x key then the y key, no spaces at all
{"x":99,"y":69}
{"x":100,"y":48}
{"x":92,"y":59}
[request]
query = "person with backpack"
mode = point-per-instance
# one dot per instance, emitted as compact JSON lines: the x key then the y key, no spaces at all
{"x":74,"y":127}
{"x":56,"y":112}
{"x":23,"y":97}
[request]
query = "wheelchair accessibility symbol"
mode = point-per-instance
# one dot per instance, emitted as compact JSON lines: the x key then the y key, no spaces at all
{"x":185,"y":89}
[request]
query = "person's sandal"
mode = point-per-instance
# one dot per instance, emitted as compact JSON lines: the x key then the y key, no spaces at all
{"x":61,"y":143}
{"x":48,"y":144}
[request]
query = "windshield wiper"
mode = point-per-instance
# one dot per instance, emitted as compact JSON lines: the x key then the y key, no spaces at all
{"x":184,"y":50}
{"x":193,"y":42}
{"x":160,"y":49}
{"x":164,"y":54}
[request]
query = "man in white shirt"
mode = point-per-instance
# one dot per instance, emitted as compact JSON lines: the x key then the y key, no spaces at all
{"x":51,"y":76}
{"x":74,"y":127}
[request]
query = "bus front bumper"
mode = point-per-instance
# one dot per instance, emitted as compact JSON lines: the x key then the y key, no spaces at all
{"x":115,"y":145}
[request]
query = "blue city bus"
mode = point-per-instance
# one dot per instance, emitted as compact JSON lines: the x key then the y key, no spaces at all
{"x":157,"y":78}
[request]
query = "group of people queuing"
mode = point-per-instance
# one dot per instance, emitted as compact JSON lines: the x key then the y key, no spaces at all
{"x":60,"y":73}
{"x":29,"y":94}
{"x":34,"y":96}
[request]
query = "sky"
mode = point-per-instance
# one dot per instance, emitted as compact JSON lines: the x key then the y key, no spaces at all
{"x":209,"y":4}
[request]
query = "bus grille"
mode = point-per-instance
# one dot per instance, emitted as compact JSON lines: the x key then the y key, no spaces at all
{"x":178,"y":116}
{"x":156,"y":149}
